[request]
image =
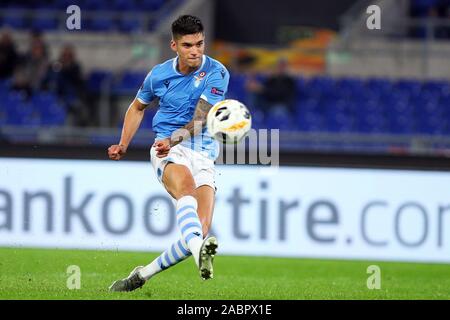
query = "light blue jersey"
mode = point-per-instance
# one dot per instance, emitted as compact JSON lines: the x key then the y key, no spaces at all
{"x":178,"y":96}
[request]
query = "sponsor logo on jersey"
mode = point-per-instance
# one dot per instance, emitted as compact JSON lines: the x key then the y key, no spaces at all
{"x":217,"y":91}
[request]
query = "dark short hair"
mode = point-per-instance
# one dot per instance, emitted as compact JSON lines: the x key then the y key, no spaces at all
{"x":186,"y":24}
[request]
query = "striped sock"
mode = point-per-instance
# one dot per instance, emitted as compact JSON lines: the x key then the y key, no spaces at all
{"x":189,"y":224}
{"x":177,"y":252}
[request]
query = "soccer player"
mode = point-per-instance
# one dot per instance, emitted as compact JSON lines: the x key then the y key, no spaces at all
{"x":183,"y":154}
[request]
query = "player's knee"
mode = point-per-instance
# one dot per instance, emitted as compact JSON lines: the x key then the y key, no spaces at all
{"x":185,"y":187}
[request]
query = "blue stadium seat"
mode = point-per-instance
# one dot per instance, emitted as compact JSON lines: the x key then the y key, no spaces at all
{"x":124,"y":5}
{"x":150,"y":5}
{"x":47,"y":4}
{"x":431,"y":124}
{"x":96,"y":78}
{"x":4,"y":88}
{"x":53,"y":120}
{"x":370,"y":117}
{"x":427,"y":108}
{"x":280,"y":120}
{"x":236,"y":88}
{"x":97,"y":5}
{"x":402,"y":124}
{"x":148,"y":118}
{"x":64,"y":4}
{"x":16,"y":5}
{"x":434,"y":88}
{"x":379,"y":84}
{"x":444,"y":103}
{"x":3,"y":111}
{"x":258,"y":118}
{"x":408,"y":87}
{"x":302,"y":91}
{"x":44,"y":23}
{"x":17,"y":110}
{"x":14,"y":19}
{"x":309,"y":120}
{"x":300,"y":83}
{"x":319,"y":86}
{"x":13,"y":97}
{"x":51,"y":112}
{"x":131,"y":24}
{"x":130,"y":82}
{"x":104,"y":23}
{"x":350,"y":88}
{"x":340,"y":123}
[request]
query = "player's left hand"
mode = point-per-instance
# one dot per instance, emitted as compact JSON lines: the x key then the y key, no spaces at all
{"x":162,"y":147}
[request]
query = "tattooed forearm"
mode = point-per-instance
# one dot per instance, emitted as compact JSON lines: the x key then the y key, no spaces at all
{"x":193,"y":127}
{"x":201,"y":111}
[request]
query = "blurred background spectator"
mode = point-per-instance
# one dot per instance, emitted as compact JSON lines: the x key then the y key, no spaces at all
{"x":276,"y":94}
{"x":8,"y":55}
{"x":32,"y":68}
{"x":66,"y":80}
{"x":430,"y":11}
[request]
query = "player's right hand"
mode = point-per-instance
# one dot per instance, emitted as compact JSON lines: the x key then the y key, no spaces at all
{"x":116,"y":151}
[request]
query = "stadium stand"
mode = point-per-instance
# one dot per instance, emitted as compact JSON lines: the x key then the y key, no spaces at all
{"x":324,"y":104}
{"x":368,"y":106}
{"x":118,"y":15}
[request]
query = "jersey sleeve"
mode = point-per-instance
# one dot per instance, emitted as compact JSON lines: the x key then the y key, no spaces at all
{"x":145,"y":94}
{"x":216,"y":86}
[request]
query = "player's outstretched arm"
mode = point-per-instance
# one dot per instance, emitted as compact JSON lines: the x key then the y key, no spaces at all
{"x":192,"y":128}
{"x":132,"y":121}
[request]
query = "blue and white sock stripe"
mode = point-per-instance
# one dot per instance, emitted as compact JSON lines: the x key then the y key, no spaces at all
{"x":188,"y":217}
{"x":167,"y":259}
{"x":191,"y":227}
{"x":173,"y":255}
{"x":182,"y":246}
{"x":174,"y":252}
{"x":182,"y":209}
{"x":188,"y":222}
{"x":160,"y":263}
{"x":192,"y":235}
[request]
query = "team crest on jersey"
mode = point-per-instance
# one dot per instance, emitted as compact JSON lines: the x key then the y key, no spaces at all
{"x":200,"y":77}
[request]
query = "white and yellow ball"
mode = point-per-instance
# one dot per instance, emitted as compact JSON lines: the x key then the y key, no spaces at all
{"x":229,"y":121}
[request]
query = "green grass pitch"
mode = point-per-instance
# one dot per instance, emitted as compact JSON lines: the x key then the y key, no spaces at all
{"x":41,"y":274}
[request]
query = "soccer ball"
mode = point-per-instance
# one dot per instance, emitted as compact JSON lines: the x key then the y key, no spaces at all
{"x":229,"y":121}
